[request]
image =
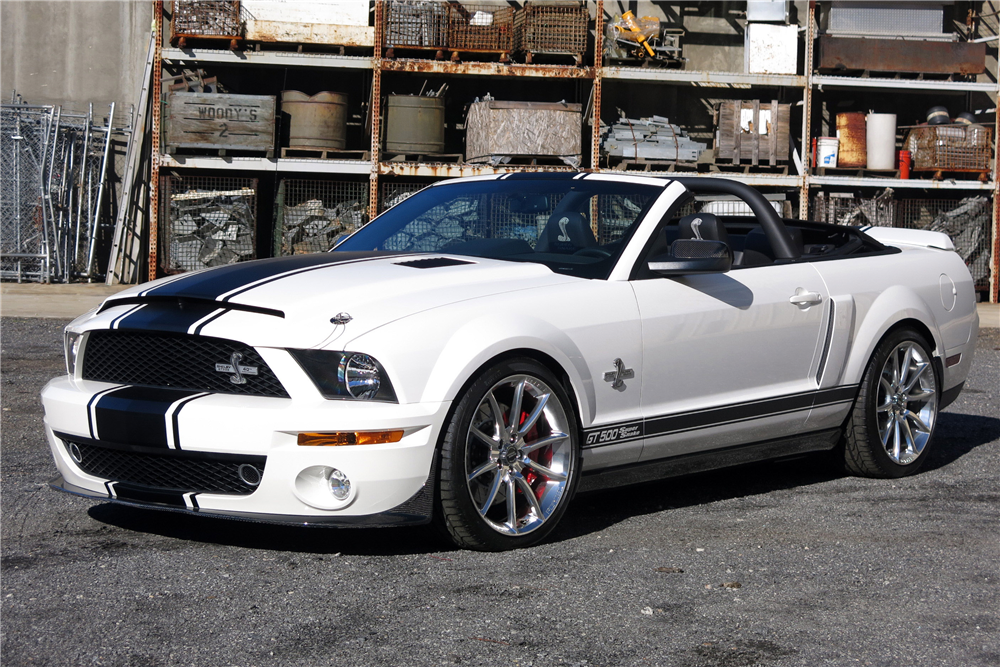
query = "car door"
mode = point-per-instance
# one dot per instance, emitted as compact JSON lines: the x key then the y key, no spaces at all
{"x":728,"y":358}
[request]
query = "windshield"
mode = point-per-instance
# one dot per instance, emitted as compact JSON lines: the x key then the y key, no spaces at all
{"x":574,"y":226}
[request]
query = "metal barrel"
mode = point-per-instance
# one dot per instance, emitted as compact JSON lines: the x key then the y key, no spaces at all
{"x":317,"y":122}
{"x":414,"y":124}
{"x":853,"y":151}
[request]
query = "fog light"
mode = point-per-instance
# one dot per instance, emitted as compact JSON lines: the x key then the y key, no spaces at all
{"x":340,"y":486}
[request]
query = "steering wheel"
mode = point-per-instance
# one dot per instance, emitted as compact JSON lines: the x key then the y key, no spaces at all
{"x":600,"y":253}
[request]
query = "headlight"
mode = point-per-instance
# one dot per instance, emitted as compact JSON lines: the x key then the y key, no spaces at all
{"x":71,"y":345}
{"x":346,"y":375}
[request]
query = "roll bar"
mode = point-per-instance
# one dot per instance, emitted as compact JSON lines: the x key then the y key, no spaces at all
{"x":777,"y":235}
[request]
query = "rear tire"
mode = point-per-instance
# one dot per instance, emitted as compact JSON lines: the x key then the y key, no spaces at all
{"x":506,"y":481}
{"x":891,"y":426}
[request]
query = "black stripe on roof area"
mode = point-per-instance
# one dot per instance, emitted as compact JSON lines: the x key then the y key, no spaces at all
{"x":214,"y":283}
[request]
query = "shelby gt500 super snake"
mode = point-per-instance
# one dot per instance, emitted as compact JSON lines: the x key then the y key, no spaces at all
{"x":492,"y":345}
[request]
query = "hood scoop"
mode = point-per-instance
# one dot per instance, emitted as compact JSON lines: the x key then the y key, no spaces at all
{"x":433,"y":263}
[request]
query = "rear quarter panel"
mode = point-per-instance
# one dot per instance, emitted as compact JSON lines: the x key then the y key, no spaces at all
{"x":914,"y":284}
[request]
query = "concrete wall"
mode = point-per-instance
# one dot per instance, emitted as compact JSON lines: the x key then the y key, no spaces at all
{"x":73,"y":52}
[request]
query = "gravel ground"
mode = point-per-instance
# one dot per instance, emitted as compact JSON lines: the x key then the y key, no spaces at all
{"x":773,"y":564}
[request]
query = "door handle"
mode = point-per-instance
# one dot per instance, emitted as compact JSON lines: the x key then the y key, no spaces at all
{"x":803,"y":298}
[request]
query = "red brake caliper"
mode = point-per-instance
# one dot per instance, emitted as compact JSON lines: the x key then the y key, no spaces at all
{"x":543,"y":456}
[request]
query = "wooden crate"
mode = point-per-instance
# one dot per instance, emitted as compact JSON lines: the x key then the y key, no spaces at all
{"x":739,"y":138}
{"x":218,"y":121}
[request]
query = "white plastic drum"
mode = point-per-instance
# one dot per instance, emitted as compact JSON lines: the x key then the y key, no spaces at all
{"x":881,"y":141}
{"x":826,"y":151}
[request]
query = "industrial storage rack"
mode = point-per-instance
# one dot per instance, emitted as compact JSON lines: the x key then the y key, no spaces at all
{"x":388,"y":179}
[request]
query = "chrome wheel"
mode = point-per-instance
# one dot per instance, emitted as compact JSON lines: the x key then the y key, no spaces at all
{"x":518,"y":455}
{"x":906,"y":403}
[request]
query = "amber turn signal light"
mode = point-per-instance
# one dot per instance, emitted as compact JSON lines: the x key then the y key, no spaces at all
{"x":349,"y":438}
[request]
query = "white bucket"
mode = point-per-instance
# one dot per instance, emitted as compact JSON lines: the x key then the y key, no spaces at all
{"x":881,"y":141}
{"x":826,"y":151}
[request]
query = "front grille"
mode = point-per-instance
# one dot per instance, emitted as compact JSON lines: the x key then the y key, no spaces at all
{"x":175,"y":360}
{"x":187,"y":472}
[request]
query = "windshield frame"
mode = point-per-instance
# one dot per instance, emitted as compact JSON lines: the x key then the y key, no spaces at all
{"x":597,"y":262}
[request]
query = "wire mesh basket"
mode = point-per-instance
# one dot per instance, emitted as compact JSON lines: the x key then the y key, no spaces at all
{"x":552,"y":28}
{"x":310,"y":216}
{"x":207,"y":221}
{"x":416,"y":24}
{"x":966,"y":221}
{"x":950,"y":147}
{"x":219,"y":19}
{"x":391,"y":193}
{"x":480,"y":26}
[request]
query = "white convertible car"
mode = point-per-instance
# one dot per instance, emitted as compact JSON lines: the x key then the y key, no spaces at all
{"x":492,"y":345}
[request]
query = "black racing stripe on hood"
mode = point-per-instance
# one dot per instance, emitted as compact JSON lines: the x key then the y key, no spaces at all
{"x":225,"y":279}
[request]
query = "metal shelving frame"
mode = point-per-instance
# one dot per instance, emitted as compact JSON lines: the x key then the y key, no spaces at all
{"x":809,"y":82}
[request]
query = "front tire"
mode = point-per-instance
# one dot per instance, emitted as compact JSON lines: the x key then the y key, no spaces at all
{"x":892,"y":424}
{"x":509,"y":458}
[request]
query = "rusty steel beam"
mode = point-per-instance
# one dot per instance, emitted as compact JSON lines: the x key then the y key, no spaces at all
{"x":376,"y":110}
{"x":487,"y":69}
{"x":595,"y":137}
{"x":897,"y":55}
{"x":807,"y":113}
{"x":995,"y":268}
{"x":156,"y":93}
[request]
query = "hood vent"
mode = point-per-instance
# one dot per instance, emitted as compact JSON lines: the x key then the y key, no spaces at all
{"x":433,"y":263}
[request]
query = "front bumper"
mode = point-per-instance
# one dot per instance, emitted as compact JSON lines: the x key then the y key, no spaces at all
{"x":391,"y":483}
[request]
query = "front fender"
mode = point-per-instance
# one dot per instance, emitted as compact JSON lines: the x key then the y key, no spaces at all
{"x":434,"y":368}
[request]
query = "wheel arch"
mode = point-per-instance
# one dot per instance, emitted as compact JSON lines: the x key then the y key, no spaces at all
{"x":893,"y":309}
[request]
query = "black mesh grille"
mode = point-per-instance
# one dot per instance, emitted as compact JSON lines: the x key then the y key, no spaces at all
{"x":174,"y":360}
{"x":175,"y":471}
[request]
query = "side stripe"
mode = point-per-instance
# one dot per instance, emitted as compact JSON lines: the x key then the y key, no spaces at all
{"x":608,"y":434}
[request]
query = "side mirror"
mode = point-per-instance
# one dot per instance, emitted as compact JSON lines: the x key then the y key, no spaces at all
{"x":688,"y":256}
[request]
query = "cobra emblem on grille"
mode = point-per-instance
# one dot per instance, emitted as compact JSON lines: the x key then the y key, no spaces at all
{"x":237,"y":371}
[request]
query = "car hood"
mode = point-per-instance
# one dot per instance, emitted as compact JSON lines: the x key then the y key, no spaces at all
{"x":314,"y":300}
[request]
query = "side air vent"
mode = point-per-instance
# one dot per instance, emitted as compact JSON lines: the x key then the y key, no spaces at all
{"x":433,"y":263}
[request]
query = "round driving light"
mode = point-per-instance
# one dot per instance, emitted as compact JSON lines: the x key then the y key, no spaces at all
{"x":248,"y":474}
{"x":360,"y":375}
{"x":340,"y":486}
{"x":74,"y":451}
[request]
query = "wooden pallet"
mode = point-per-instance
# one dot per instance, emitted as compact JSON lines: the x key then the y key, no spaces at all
{"x":416,"y":52}
{"x":324,"y":154}
{"x":983,"y":175}
{"x":529,"y":56}
{"x":203,"y":151}
{"x":747,"y":168}
{"x":858,"y":172}
{"x":392,"y":156}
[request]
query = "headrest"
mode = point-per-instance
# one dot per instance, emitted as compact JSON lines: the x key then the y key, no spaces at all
{"x":702,"y":226}
{"x":565,"y":232}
